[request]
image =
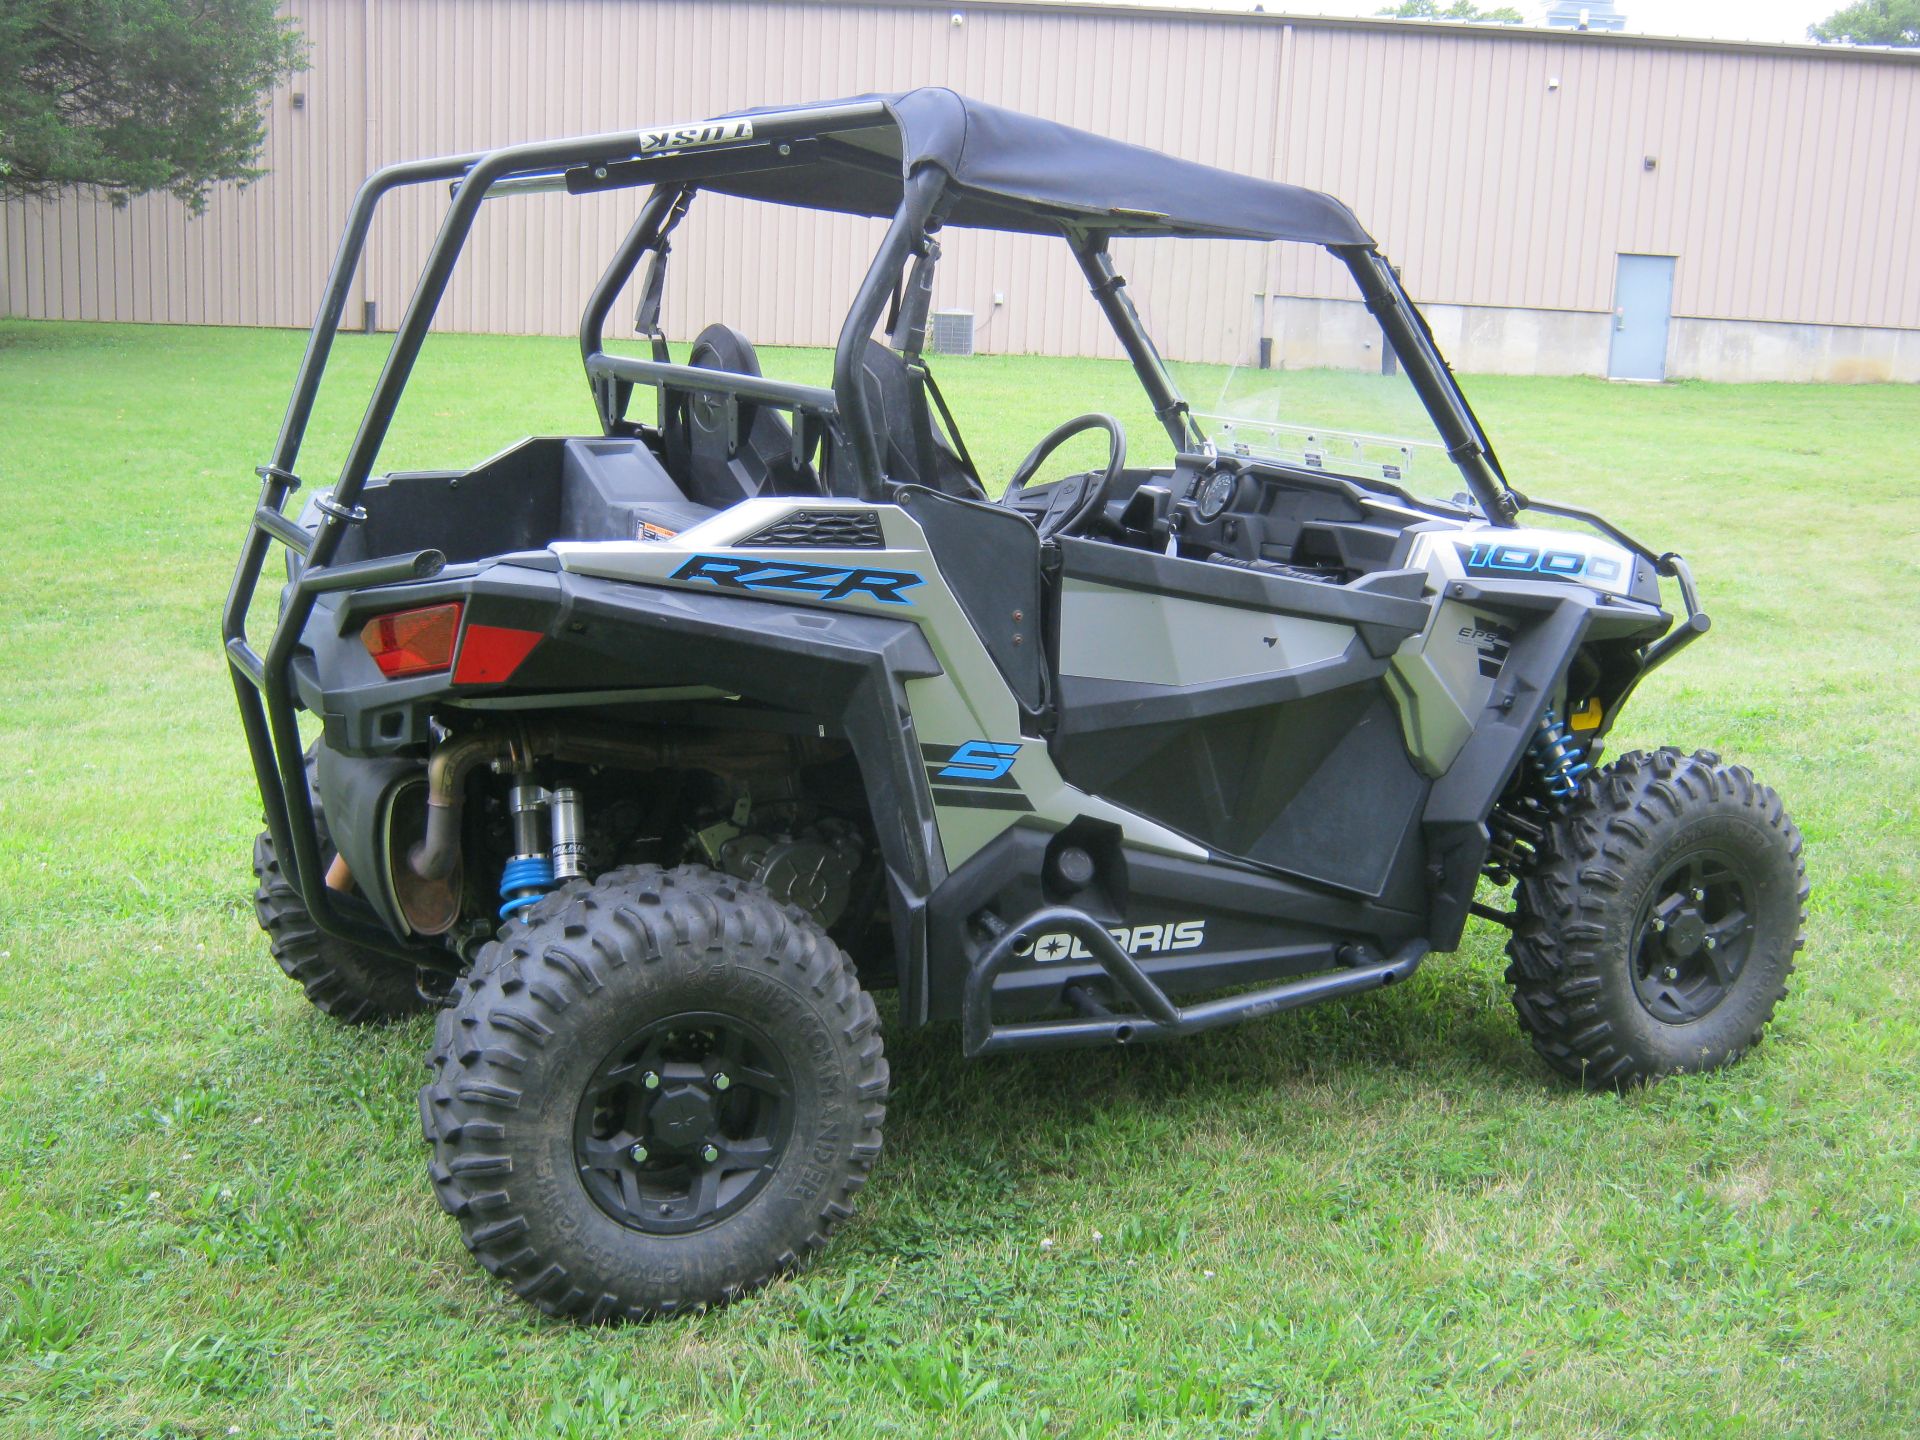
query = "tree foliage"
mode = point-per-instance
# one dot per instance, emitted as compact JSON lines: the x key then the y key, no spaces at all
{"x":1459,"y":10}
{"x":131,"y":96}
{"x":1871,"y":22}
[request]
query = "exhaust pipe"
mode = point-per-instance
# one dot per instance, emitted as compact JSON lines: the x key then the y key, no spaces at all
{"x":438,"y":852}
{"x":434,"y":858}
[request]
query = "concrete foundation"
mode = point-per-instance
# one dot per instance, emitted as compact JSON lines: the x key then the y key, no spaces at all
{"x":1490,"y":340}
{"x":1495,"y":340}
{"x":1746,"y":350}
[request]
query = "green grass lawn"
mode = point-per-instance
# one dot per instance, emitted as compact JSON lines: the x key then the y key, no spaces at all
{"x":1375,"y":1219}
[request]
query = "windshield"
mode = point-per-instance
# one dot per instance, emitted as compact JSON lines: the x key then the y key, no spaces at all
{"x":1277,"y":355}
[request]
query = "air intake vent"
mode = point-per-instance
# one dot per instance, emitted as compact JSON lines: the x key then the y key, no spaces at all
{"x":820,"y":530}
{"x":952,"y":332}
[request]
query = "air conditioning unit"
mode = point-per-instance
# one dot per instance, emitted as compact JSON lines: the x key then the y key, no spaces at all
{"x":952,"y":332}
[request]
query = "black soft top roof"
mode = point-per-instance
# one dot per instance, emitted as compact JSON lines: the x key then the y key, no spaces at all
{"x":1015,"y":172}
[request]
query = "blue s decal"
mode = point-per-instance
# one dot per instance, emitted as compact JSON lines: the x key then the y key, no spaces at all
{"x":976,"y":775}
{"x":979,"y":760}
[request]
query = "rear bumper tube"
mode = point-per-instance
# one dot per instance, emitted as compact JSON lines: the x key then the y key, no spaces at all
{"x":1159,"y":1018}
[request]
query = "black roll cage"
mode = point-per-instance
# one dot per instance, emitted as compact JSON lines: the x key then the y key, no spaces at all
{"x":625,"y":159}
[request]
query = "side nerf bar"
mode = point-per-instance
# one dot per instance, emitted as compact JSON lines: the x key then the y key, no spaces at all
{"x":1160,"y":1018}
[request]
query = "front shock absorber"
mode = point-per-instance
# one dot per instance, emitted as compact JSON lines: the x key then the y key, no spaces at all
{"x":1557,"y":758}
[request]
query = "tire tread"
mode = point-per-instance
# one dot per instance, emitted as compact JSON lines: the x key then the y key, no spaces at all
{"x":341,"y":980}
{"x":557,"y":957}
{"x":1555,"y":954}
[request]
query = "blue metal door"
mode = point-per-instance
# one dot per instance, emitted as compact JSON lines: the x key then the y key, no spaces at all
{"x":1642,"y":302}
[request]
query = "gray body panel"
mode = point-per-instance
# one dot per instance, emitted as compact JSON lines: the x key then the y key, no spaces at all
{"x":968,"y":701}
{"x":1130,"y":647}
{"x":1107,"y":633}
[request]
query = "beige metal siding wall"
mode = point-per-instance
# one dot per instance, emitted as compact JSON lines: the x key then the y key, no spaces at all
{"x":1788,"y":185}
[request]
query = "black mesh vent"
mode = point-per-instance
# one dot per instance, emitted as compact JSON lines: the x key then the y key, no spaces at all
{"x":822,"y":530}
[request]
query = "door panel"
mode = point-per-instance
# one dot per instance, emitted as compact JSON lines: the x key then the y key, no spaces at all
{"x":1319,"y":786}
{"x":1265,"y":736}
{"x":1642,"y":306}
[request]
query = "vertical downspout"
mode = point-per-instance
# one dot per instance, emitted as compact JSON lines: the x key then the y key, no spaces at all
{"x":1282,"y":135}
{"x":368,"y":139}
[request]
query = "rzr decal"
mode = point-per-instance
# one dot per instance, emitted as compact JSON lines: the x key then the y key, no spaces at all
{"x":975,"y":776}
{"x":1536,"y":562}
{"x":660,"y":139}
{"x":1134,"y":939}
{"x":822,"y":582}
{"x":1493,"y":641}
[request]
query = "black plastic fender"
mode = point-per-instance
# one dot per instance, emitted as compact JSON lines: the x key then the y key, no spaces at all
{"x":843,"y":670}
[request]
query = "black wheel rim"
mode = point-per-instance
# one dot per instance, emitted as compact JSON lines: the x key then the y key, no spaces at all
{"x":1694,"y":938}
{"x":683,"y":1123}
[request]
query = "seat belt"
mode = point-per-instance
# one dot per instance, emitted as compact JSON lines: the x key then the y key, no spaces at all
{"x":653,"y":290}
{"x":946,"y":420}
{"x":908,"y":332}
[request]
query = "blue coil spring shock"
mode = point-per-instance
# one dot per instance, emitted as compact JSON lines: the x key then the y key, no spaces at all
{"x":1557,"y":758}
{"x":525,"y":880}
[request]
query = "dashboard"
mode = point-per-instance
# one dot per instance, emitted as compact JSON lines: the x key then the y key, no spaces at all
{"x":1241,"y":512}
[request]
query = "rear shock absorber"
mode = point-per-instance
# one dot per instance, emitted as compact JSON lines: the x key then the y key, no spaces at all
{"x":529,"y":874}
{"x":569,"y":834}
{"x":535,"y":868}
{"x":1557,"y":758}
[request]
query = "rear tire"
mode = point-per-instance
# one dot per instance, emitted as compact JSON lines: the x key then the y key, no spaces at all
{"x":655,"y":1093}
{"x":350,"y":984}
{"x":1658,"y":926}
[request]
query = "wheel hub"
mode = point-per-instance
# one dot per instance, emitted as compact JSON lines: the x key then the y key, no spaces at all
{"x":1694,"y":936}
{"x":683,"y":1123}
{"x":1684,"y":934}
{"x":683,"y":1115}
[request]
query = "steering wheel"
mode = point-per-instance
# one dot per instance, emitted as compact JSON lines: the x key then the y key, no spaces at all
{"x":1078,"y":497}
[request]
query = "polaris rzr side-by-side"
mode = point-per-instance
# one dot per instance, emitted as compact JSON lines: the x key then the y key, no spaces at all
{"x":646,"y":755}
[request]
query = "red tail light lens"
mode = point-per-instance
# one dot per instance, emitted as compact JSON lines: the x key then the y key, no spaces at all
{"x":413,"y":642}
{"x":491,"y":653}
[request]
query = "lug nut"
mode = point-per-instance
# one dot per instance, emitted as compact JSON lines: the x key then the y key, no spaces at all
{"x":638,"y":1154}
{"x":721,"y":1081}
{"x":710,"y":1154}
{"x":1671,"y":973}
{"x":650,"y":1081}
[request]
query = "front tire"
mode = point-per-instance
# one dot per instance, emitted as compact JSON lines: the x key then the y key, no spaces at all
{"x":1658,"y":925}
{"x":658,"y":1092}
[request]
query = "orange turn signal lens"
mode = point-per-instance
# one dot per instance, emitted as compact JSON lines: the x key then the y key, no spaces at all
{"x":413,"y":642}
